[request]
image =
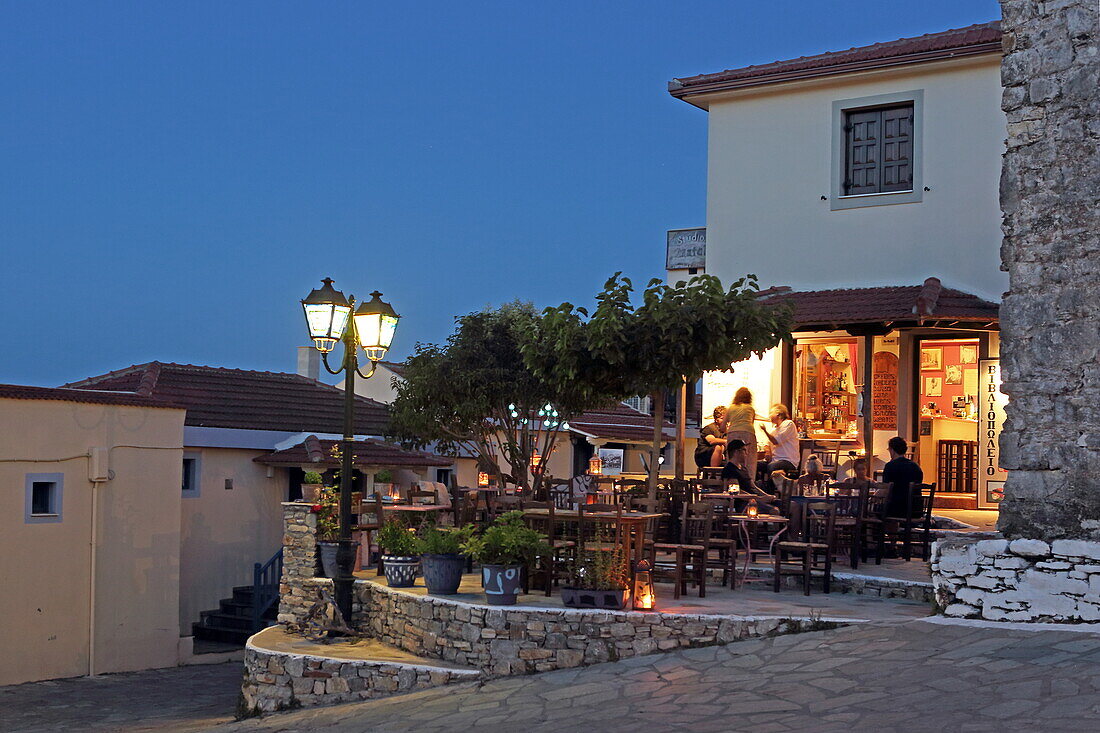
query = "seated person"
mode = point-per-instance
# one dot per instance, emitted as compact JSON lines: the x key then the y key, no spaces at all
{"x":815,"y":479}
{"x":858,"y":481}
{"x":903,"y":476}
{"x":784,"y":441}
{"x":712,"y":441}
{"x":735,"y":469}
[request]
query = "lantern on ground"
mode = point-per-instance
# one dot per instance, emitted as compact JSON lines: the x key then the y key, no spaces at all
{"x":482,"y":479}
{"x":644,"y":597}
{"x":327,"y":312}
{"x":752,"y":509}
{"x":375,"y":324}
{"x":595,"y":466}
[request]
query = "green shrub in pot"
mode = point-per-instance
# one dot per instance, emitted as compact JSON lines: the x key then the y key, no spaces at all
{"x":442,"y":561}
{"x":504,"y":549}
{"x":400,"y":549}
{"x":312,"y":483}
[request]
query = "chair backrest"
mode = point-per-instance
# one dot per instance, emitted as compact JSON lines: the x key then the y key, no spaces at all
{"x":370,"y":516}
{"x":467,"y":507}
{"x":928,"y":494}
{"x":813,"y":521}
{"x":849,"y":505}
{"x":562,"y":496}
{"x":588,"y":528}
{"x":697,"y":523}
{"x":877,"y":501}
{"x":423,"y":496}
{"x":545,"y":524}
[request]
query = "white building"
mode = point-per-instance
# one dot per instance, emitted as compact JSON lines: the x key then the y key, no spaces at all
{"x":861,"y":186}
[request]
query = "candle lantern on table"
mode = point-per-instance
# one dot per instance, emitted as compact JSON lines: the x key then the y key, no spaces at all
{"x":644,"y":597}
{"x":752,"y":509}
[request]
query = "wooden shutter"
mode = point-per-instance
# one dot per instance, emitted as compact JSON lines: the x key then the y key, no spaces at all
{"x":862,"y":130}
{"x":878,"y":150}
{"x":897,"y":149}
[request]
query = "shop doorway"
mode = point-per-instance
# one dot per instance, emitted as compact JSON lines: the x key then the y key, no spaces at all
{"x":947,"y":414}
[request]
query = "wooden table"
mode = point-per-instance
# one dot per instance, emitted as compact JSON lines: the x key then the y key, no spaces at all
{"x":632,"y":523}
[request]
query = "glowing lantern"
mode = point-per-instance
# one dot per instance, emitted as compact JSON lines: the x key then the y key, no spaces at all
{"x":536,"y":462}
{"x":375,"y":324}
{"x":752,"y":510}
{"x":482,"y":479}
{"x":327,"y":312}
{"x":595,"y":466}
{"x":644,"y":597}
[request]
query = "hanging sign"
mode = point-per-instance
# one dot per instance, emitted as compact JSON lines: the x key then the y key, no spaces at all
{"x":687,"y":249}
{"x":884,"y":391}
{"x":991,"y":418}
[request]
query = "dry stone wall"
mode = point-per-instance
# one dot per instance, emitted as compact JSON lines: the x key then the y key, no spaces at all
{"x":1050,"y":189}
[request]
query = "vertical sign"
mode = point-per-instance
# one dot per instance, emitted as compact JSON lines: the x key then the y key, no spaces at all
{"x":884,"y":391}
{"x":991,"y":418}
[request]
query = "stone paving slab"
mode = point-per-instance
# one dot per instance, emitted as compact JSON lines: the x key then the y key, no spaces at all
{"x":910,"y":677}
{"x":194,"y":698}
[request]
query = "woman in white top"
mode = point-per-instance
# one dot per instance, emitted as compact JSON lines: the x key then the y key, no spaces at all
{"x":785,"y":453}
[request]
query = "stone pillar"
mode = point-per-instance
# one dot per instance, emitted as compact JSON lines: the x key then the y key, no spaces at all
{"x":297,"y":586}
{"x":1050,"y":318}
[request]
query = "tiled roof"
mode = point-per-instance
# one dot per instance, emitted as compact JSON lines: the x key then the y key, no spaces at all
{"x":892,"y":304}
{"x":396,"y":367}
{"x":236,"y":398}
{"x":22,"y":392}
{"x":974,"y":39}
{"x":620,"y":422}
{"x":366,"y":453}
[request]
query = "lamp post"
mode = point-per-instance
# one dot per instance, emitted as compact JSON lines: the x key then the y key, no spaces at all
{"x":332,"y":318}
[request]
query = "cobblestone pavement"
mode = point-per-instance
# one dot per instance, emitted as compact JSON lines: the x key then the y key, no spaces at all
{"x":181,"y":699}
{"x":909,"y":677}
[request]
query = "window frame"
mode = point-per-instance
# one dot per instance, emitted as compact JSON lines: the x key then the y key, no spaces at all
{"x":838,"y":200}
{"x":196,"y":475}
{"x":57,"y":496}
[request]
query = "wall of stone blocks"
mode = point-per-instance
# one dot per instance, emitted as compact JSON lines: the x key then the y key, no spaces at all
{"x":1051,"y":250}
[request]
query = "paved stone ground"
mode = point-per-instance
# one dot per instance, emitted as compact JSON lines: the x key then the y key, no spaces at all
{"x":195,"y":698}
{"x":910,"y":677}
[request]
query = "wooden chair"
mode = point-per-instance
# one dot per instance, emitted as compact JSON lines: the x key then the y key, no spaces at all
{"x":370,"y":521}
{"x":554,"y":566}
{"x":812,"y":538}
{"x":873,"y":523}
{"x":901,"y":530}
{"x":588,"y":534}
{"x":696,"y":528}
{"x":848,"y":525}
{"x":422,"y":496}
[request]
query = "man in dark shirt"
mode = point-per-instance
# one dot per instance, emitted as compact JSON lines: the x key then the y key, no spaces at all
{"x":712,"y":441}
{"x":735,"y":469}
{"x":902,"y":475}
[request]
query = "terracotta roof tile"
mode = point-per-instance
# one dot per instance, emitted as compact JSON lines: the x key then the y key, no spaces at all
{"x":620,"y":422}
{"x":236,"y":398}
{"x":22,"y":392}
{"x":898,"y":304}
{"x":978,"y":38}
{"x":367,"y":453}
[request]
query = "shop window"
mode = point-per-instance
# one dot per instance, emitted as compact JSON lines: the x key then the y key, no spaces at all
{"x":826,"y":400}
{"x":948,"y":403}
{"x":43,"y":498}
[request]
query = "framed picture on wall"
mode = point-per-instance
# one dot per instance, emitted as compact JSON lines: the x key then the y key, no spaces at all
{"x":954,"y":374}
{"x":933,"y":386}
{"x":931,"y":359}
{"x":968,"y":354}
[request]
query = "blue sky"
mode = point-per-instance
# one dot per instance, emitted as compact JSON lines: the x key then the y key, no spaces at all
{"x":178,"y":175}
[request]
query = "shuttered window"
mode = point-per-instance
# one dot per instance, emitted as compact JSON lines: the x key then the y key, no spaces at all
{"x":878,"y":150}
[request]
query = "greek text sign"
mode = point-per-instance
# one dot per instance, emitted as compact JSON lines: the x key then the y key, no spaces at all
{"x":687,"y":248}
{"x":991,"y":418}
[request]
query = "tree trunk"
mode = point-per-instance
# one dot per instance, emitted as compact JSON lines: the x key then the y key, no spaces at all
{"x":658,"y":399}
{"x":681,"y":430}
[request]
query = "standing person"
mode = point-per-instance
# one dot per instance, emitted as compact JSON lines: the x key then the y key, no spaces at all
{"x":712,"y":441}
{"x":785,"y":455}
{"x":902,"y":475}
{"x":741,"y":422}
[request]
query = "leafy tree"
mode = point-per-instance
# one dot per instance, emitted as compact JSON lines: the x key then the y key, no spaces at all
{"x":476,"y":394}
{"x":676,"y":332}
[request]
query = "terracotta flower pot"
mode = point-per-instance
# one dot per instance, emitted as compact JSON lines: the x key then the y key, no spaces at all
{"x":311,"y":493}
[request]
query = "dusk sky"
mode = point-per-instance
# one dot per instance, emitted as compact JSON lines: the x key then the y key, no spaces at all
{"x":177,"y":176}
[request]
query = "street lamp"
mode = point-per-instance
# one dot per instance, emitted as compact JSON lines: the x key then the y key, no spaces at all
{"x":371,"y":327}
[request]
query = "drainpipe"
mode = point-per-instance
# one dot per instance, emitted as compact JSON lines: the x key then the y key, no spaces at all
{"x":92,"y":579}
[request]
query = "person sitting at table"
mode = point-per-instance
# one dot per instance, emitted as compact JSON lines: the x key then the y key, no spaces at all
{"x":858,"y":480}
{"x":735,"y":469}
{"x":712,"y":441}
{"x":813,"y":481}
{"x":784,"y":441}
{"x":903,"y":476}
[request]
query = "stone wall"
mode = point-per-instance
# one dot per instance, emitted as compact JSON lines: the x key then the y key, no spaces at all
{"x":1018,"y":580}
{"x":1050,"y":342}
{"x":522,"y":639}
{"x":275,"y":681}
{"x":297,"y":588}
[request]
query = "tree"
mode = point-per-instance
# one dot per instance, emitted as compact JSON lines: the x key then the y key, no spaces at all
{"x":676,"y":332}
{"x":477,"y":394}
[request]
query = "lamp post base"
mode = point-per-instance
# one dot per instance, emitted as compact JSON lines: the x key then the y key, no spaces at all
{"x":344,"y":582}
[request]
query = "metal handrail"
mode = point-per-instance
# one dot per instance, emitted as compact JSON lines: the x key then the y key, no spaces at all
{"x":265,"y":587}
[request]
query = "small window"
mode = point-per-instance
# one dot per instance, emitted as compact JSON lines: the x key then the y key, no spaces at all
{"x":191,"y":475}
{"x":878,"y":150}
{"x":43,"y":501}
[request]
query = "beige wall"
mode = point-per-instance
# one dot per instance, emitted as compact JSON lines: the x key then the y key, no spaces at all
{"x":378,"y":388}
{"x":770,"y":162}
{"x":223,"y":532}
{"x":46,"y":568}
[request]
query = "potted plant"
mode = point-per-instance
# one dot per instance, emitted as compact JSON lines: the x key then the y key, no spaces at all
{"x":598,"y":578}
{"x":400,"y":550}
{"x":312,"y":483}
{"x":441,"y":560}
{"x":504,"y":549}
{"x":327,"y":510}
